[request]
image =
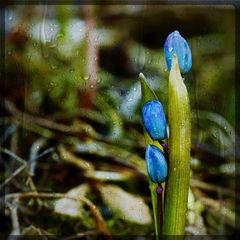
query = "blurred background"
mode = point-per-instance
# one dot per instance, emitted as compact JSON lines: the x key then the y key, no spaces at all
{"x":71,"y":117}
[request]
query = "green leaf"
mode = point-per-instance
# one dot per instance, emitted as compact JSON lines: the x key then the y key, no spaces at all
{"x":147,"y":92}
{"x":177,"y":185}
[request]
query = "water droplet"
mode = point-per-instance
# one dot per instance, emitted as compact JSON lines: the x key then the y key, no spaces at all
{"x":9,"y":53}
{"x":10,"y":18}
{"x":53,"y":45}
{"x":91,"y":86}
{"x":86,"y":77}
{"x":174,"y":169}
{"x":54,"y":67}
{"x":134,"y":89}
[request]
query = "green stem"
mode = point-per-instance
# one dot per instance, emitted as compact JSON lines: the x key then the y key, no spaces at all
{"x":153,"y":187}
{"x":159,"y":211}
{"x":177,"y":185}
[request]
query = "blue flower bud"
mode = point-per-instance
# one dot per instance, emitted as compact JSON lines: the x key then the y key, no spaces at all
{"x":156,"y":164}
{"x":154,"y":120}
{"x":176,"y":44}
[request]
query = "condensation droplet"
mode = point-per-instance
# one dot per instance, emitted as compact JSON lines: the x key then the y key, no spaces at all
{"x":10,"y":18}
{"x":54,"y":67}
{"x":86,"y":77}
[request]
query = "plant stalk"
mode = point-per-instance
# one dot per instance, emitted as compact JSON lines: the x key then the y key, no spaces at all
{"x":177,"y":184}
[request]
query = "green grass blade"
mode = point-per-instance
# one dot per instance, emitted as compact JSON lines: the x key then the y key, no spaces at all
{"x":177,"y":185}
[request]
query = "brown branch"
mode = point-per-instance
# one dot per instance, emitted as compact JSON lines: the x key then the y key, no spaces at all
{"x":38,"y":125}
{"x":92,"y":56}
{"x":13,"y":155}
{"x":13,"y":175}
{"x":211,"y":187}
{"x":24,"y":166}
{"x":100,"y":224}
{"x":81,"y":235}
{"x":14,"y":218}
{"x":22,"y":116}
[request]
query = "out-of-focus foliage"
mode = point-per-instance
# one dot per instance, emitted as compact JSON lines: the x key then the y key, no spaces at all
{"x":67,"y":142}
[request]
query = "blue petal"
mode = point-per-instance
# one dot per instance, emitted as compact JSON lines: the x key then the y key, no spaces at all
{"x":156,"y":164}
{"x":176,"y":44}
{"x":154,"y":120}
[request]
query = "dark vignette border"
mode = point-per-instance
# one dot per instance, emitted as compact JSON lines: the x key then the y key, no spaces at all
{"x":234,"y":3}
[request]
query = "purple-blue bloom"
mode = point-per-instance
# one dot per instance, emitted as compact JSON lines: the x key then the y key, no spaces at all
{"x":156,"y":164}
{"x":176,"y":44}
{"x":154,"y":120}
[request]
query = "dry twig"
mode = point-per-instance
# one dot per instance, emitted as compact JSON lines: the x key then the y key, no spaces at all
{"x":100,"y":224}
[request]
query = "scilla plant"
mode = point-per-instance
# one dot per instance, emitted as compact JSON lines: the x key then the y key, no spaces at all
{"x":168,"y":160}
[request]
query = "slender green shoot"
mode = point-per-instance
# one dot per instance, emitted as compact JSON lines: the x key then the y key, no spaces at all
{"x":177,"y":184}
